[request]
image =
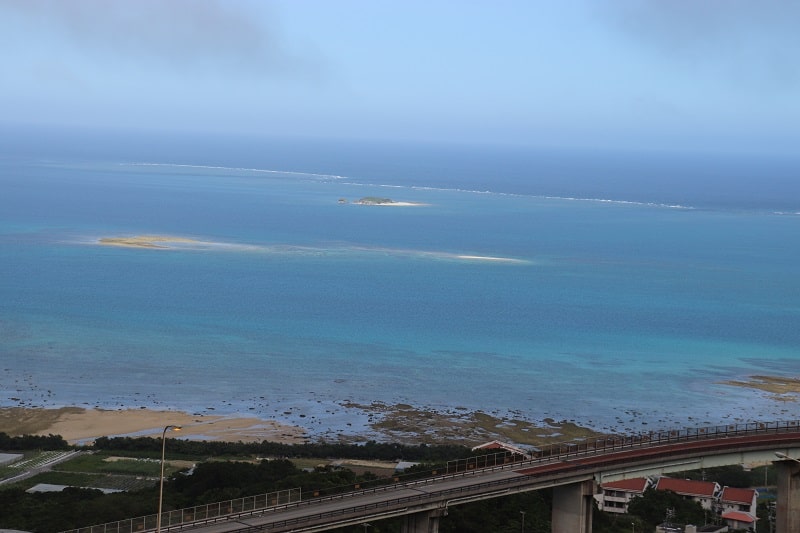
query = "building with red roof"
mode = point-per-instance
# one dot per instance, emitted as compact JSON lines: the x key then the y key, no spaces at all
{"x":499,"y":447}
{"x":739,"y":520}
{"x":704,"y":492}
{"x":614,"y":496}
{"x":735,"y":499}
{"x":737,"y":506}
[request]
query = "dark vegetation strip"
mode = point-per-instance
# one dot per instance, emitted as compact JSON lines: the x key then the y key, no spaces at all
{"x":371,"y":450}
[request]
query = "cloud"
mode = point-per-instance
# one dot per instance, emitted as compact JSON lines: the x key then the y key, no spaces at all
{"x":185,"y":36}
{"x":751,"y":43}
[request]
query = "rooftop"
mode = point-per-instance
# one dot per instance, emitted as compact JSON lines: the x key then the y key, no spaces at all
{"x":498,"y":445}
{"x":688,"y":487}
{"x":637,"y":484}
{"x":734,"y":495}
{"x":739,"y":517}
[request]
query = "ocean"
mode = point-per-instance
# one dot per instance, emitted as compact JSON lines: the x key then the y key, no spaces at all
{"x":618,"y":290}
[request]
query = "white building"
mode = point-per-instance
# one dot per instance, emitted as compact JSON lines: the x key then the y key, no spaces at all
{"x":615,"y":495}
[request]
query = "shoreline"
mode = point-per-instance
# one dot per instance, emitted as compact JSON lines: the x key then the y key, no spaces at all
{"x":390,"y":423}
{"x":78,"y":425}
{"x":352,"y":422}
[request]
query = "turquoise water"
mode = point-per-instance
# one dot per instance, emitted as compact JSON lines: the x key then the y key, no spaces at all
{"x":509,"y":290}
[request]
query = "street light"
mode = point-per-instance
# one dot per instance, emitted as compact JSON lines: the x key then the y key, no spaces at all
{"x":785,"y":457}
{"x":161,"y":484}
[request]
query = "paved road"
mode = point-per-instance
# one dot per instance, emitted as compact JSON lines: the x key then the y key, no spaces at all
{"x":43,"y":467}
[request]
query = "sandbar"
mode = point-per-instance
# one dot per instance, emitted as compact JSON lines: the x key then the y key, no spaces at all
{"x":401,"y":204}
{"x":146,"y":241}
{"x":783,"y":388}
{"x":79,"y":425}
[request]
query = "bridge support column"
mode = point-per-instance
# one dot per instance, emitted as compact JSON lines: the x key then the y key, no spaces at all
{"x":572,"y":508}
{"x":423,"y":522}
{"x":787,"y":509}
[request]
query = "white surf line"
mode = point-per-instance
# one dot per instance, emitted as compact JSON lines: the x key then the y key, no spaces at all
{"x":238,"y":169}
{"x":490,"y":258}
{"x":517,"y":195}
{"x":416,"y":187}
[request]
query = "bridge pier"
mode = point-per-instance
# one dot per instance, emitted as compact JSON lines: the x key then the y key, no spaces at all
{"x":422,"y":522}
{"x":572,"y":508}
{"x":787,"y":508}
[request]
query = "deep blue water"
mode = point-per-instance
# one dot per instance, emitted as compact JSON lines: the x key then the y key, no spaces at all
{"x":634,"y":283}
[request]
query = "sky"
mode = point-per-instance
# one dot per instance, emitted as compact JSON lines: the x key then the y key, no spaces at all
{"x":651,"y":74}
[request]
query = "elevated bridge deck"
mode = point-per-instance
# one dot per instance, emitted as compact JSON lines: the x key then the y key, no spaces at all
{"x":577,"y":464}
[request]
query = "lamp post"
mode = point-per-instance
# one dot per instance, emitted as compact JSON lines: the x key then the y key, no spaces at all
{"x":161,"y":483}
{"x":785,"y":457}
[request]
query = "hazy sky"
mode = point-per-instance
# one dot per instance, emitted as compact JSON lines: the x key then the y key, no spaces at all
{"x":721,"y":74}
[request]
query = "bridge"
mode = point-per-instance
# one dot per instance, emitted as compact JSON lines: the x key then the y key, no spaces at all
{"x":573,"y":470}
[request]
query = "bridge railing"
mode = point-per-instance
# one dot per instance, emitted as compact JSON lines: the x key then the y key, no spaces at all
{"x":492,"y":462}
{"x":363,"y":510}
{"x":665,"y":437}
{"x":662,"y":437}
{"x":477,"y":462}
{"x":200,"y":513}
{"x":611,"y":443}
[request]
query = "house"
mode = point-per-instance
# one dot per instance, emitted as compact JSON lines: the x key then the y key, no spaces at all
{"x":740,"y":520}
{"x":736,"y":507}
{"x":734,"y":499}
{"x":497,"y":446}
{"x":614,"y":496}
{"x":704,"y":492}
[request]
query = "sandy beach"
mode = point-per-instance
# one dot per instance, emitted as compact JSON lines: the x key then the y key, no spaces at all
{"x":79,"y":425}
{"x":396,"y":423}
{"x":390,"y":422}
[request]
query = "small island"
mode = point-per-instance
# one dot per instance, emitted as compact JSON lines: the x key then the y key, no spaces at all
{"x":374,"y":200}
{"x":145,"y":241}
{"x":377,"y":200}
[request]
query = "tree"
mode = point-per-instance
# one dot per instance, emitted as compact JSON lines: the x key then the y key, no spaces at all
{"x":652,"y":507}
